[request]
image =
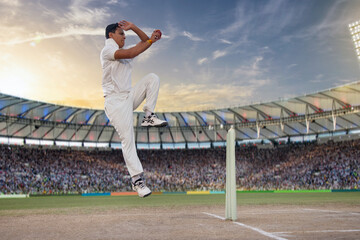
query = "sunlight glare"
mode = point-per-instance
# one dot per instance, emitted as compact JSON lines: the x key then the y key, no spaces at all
{"x":17,"y":81}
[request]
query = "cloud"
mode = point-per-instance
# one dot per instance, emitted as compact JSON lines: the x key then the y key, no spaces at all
{"x":218,"y":54}
{"x":216,"y":88}
{"x":273,"y":17}
{"x":241,"y":18}
{"x":250,"y":71}
{"x":122,"y":4}
{"x":146,"y":55}
{"x":318,"y":79}
{"x":225,"y":41}
{"x":291,"y":65}
{"x":69,"y":31}
{"x":251,"y":27}
{"x":11,"y":3}
{"x":202,"y":61}
{"x":191,"y":37}
{"x":81,"y":14}
{"x":195,"y":96}
{"x":112,"y":2}
{"x":47,"y":21}
{"x":200,"y":96}
{"x":85,"y":102}
{"x":332,"y":24}
{"x":257,"y":61}
{"x":343,"y":81}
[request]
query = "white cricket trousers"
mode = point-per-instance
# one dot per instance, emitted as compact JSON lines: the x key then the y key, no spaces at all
{"x":119,"y":108}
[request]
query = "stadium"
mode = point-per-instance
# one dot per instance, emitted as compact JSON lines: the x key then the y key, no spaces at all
{"x":274,"y":127}
{"x":282,"y":169}
{"x":332,"y":113}
{"x":300,"y":149}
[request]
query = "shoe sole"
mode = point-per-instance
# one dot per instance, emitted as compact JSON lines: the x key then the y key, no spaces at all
{"x":160,"y":125}
{"x":147,"y":195}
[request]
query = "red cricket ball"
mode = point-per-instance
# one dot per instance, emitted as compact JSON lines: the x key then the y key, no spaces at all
{"x":159,"y":32}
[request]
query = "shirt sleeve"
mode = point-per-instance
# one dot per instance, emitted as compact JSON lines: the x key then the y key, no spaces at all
{"x":109,"y":52}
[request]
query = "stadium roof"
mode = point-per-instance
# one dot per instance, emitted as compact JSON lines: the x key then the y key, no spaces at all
{"x":331,"y":110}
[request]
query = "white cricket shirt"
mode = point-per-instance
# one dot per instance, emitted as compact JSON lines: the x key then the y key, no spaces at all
{"x":116,"y":72}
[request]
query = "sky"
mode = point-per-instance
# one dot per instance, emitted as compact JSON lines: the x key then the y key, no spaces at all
{"x":213,"y":54}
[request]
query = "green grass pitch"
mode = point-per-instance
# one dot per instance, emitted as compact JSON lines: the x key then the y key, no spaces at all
{"x":173,"y":200}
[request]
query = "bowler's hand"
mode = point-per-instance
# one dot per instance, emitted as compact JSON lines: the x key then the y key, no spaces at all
{"x":156,"y":35}
{"x":125,"y":25}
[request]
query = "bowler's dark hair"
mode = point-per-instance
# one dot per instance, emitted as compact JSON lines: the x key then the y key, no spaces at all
{"x":110,"y":28}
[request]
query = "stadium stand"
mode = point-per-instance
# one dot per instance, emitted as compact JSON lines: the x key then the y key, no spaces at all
{"x":329,"y":112}
{"x":334,"y":165}
{"x":304,"y":142}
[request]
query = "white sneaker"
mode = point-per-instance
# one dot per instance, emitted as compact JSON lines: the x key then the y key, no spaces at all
{"x":140,"y":187}
{"x":153,"y":121}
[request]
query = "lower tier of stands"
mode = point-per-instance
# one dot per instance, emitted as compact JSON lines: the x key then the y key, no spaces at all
{"x":305,"y":166}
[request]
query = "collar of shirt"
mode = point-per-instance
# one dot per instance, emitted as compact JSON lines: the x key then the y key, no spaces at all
{"x":111,"y":42}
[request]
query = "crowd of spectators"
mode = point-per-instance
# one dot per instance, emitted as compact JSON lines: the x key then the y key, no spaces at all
{"x":294,"y":166}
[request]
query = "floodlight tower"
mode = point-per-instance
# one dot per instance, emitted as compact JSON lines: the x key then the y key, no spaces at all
{"x":355,"y":33}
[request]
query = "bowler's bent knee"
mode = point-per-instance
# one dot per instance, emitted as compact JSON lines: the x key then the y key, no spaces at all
{"x":153,"y":77}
